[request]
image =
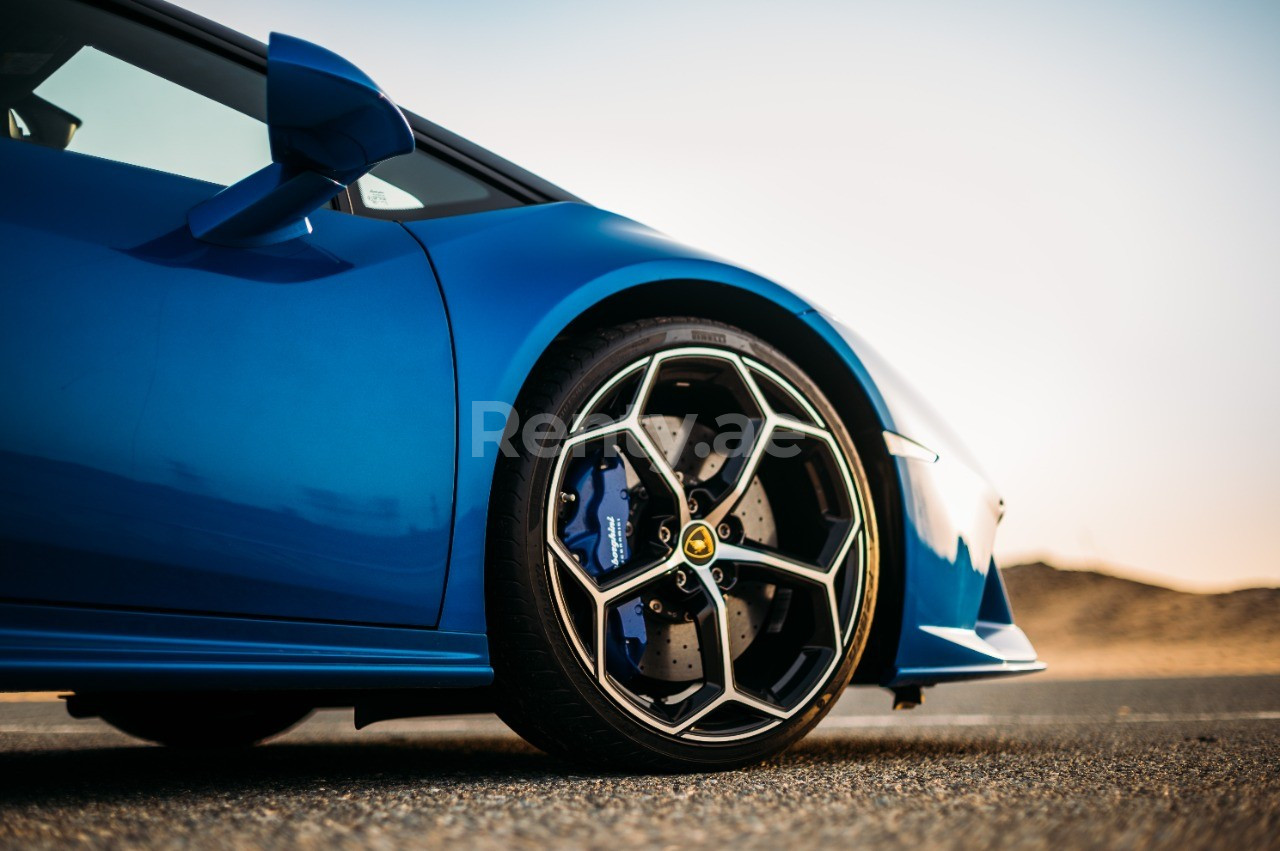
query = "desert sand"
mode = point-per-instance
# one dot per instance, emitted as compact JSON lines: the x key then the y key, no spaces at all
{"x":1086,"y":624}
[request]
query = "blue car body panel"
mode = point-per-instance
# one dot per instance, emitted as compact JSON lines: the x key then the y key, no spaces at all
{"x":195,"y":428}
{"x":51,"y":648}
{"x":267,"y":467}
{"x":513,"y":280}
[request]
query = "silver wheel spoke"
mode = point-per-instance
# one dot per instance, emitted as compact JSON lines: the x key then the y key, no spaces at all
{"x":725,"y":656}
{"x":749,"y":555}
{"x":791,"y":567}
{"x":598,"y":433}
{"x":664,"y":469}
{"x":603,"y":391}
{"x":758,"y":449}
{"x":614,"y":593}
{"x":655,"y":455}
{"x":725,"y":653}
{"x":748,"y":472}
{"x":600,"y":625}
{"x":646,"y":385}
{"x":586,"y":580}
{"x":704,"y":711}
{"x":781,"y":382}
{"x":760,"y":705}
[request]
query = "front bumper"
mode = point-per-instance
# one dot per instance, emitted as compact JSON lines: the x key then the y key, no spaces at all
{"x":956,"y":620}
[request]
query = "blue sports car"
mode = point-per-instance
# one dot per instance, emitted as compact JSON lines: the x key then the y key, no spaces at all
{"x":309,"y":402}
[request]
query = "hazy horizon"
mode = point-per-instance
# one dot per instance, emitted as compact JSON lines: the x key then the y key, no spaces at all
{"x":1060,"y":221}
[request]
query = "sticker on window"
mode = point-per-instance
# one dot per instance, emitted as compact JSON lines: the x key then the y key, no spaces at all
{"x":377,"y":194}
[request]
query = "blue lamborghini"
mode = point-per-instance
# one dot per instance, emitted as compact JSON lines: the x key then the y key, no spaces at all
{"x":309,"y":402}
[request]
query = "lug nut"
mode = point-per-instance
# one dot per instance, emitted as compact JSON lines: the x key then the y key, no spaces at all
{"x":717,"y":574}
{"x":655,"y":606}
{"x":682,"y":579}
{"x":679,"y":477}
{"x":723,"y":531}
{"x":693,"y":505}
{"x":664,"y":534}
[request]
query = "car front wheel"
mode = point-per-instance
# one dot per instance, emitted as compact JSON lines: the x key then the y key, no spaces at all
{"x":682,"y":550}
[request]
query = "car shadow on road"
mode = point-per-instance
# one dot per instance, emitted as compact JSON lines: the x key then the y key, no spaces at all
{"x":124,"y":773}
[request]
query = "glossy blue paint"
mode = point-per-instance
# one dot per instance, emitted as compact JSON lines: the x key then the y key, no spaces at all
{"x":268,"y":207}
{"x":197,"y":428}
{"x":325,"y":114}
{"x":249,"y":467}
{"x":48,"y":648}
{"x":531,"y":271}
{"x":328,"y":124}
{"x":513,"y":280}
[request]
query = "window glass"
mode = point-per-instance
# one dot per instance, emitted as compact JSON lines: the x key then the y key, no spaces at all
{"x":78,"y":78}
{"x":377,"y":194}
{"x":96,"y":84}
{"x":420,"y":186}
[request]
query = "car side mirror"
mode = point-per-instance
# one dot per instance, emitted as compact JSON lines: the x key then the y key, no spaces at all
{"x":329,"y":124}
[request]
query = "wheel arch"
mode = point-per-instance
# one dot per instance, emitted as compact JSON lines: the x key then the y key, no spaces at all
{"x":792,"y":336}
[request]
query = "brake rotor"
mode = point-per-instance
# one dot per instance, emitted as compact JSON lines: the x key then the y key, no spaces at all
{"x":673,"y":652}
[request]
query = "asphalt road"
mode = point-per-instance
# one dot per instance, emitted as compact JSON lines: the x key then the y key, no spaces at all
{"x":1134,"y":764}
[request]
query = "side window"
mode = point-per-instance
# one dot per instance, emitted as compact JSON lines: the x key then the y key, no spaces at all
{"x":420,"y":186}
{"x":77,"y":78}
{"x":80,"y":79}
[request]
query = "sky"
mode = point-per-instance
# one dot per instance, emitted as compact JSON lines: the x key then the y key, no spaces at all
{"x":1060,"y":220}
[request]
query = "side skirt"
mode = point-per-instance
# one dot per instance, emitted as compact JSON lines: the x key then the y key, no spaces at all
{"x":52,"y":648}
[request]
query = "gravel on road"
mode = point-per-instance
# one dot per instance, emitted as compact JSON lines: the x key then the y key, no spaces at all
{"x":1023,"y":764}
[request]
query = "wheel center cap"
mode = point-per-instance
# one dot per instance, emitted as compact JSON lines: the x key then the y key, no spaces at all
{"x":698,"y":543}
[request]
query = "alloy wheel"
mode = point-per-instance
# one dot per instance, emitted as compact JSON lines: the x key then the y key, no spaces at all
{"x":707,"y":549}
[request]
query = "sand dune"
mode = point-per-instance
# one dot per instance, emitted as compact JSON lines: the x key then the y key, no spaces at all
{"x":1087,"y":624}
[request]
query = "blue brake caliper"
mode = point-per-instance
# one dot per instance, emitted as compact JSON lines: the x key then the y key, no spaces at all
{"x":597,"y":535}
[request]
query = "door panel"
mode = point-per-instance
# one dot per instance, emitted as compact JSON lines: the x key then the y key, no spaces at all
{"x":188,"y":427}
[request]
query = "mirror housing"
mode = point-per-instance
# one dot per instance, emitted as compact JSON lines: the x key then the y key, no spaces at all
{"x":329,"y":124}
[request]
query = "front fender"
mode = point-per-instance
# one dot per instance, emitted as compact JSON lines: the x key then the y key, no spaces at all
{"x":512,"y":281}
{"x":515,"y":279}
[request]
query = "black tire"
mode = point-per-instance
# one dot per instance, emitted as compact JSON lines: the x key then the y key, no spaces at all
{"x":206,"y":722}
{"x":543,"y":687}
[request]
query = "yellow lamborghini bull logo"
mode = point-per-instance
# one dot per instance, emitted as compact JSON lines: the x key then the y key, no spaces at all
{"x":699,"y":543}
